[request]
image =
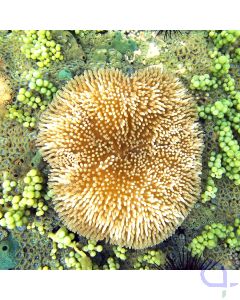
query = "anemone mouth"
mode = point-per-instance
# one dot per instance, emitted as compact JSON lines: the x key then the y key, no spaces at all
{"x":125,"y":155}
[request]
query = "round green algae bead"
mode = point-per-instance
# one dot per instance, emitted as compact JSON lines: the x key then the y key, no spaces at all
{"x":91,"y":247}
{"x":40,"y":228}
{"x":3,"y":222}
{"x":67,"y":240}
{"x":36,"y":74}
{"x":32,"y":85}
{"x":218,"y":66}
{"x":99,"y":248}
{"x":15,"y":206}
{"x":13,"y":184}
{"x":29,"y":188}
{"x":32,"y":173}
{"x":40,"y":64}
{"x":39,"y":82}
{"x":21,"y":97}
{"x":30,"y":195}
{"x":200,"y":239}
{"x":45,"y":208}
{"x":38,"y":187}
{"x":27,"y":179}
{"x":28,"y":94}
{"x":122,"y":256}
{"x":92,"y":253}
{"x":30,"y":202}
{"x":45,"y":83}
{"x":85,"y":248}
{"x":222,"y":59}
{"x":36,"y":179}
{"x":43,"y":90}
{"x":61,"y":233}
{"x":6,"y":183}
{"x":72,"y":261}
{"x":39,"y":213}
{"x":22,"y":91}
{"x":40,"y":204}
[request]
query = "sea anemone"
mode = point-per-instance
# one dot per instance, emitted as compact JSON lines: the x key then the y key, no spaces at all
{"x":125,"y":155}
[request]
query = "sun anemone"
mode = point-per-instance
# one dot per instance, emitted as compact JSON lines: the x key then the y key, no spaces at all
{"x":124,"y":154}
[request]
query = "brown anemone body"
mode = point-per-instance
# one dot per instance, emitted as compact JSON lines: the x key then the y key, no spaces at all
{"x":125,"y":155}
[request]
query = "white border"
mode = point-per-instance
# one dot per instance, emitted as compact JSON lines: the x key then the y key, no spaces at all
{"x":115,"y":285}
{"x":123,"y":14}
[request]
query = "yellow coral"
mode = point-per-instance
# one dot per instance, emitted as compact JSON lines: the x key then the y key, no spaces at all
{"x":125,"y":155}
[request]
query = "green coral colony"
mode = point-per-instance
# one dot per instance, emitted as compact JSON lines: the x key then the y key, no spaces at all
{"x":39,"y":63}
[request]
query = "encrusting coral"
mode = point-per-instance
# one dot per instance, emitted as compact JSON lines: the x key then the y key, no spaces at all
{"x":125,"y":155}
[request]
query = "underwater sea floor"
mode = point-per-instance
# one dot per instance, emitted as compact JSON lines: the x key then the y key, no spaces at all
{"x":35,"y":232}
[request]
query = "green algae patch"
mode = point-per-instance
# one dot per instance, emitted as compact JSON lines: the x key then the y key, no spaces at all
{"x":65,"y":75}
{"x":8,"y":253}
